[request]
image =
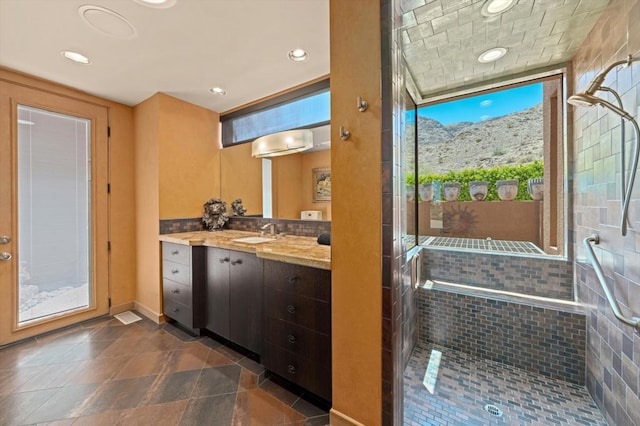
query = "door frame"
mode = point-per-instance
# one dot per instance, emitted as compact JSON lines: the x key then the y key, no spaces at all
{"x":12,"y":95}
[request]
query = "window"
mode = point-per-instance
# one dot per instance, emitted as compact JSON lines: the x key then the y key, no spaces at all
{"x":306,"y":107}
{"x":490,"y":167}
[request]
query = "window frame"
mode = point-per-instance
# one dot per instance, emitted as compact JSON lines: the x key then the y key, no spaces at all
{"x":273,"y":102}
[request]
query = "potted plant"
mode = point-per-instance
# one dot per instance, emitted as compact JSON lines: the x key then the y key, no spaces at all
{"x":535,"y":187}
{"x":478,"y":190}
{"x":451,"y":190}
{"x":507,"y":189}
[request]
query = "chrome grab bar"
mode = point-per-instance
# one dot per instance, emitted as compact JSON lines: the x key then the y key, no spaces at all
{"x":633,"y":322}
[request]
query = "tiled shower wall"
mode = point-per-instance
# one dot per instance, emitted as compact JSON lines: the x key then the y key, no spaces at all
{"x":613,"y":349}
{"x":535,"y":276}
{"x":399,"y":333}
{"x":547,"y":341}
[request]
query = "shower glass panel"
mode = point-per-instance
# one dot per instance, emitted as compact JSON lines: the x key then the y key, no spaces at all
{"x":54,"y":199}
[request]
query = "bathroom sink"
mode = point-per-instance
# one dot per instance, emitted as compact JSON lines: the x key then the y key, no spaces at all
{"x":253,"y":240}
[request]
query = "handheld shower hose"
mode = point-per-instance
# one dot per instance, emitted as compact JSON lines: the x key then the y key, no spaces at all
{"x":587,"y":98}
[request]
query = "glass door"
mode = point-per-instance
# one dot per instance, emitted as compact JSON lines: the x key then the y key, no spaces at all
{"x":54,"y":194}
{"x":53,"y":231}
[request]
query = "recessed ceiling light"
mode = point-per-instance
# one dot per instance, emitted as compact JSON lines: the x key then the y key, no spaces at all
{"x":158,"y":4}
{"x":298,"y":55}
{"x":496,"y":7}
{"x":75,"y":57}
{"x":492,"y":55}
{"x":106,"y":21}
{"x":218,"y":91}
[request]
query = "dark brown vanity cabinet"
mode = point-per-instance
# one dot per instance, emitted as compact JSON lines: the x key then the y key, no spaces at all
{"x":183,"y":284}
{"x":297,"y":315}
{"x":234,"y":296}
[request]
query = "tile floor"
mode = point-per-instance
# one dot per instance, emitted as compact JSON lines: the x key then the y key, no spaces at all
{"x":105,"y":373}
{"x":466,"y":383}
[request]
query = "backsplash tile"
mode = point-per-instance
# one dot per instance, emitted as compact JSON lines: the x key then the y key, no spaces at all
{"x":304,"y":228}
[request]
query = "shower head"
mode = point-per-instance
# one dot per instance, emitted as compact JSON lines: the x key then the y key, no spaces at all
{"x":582,"y":99}
{"x":588,"y":100}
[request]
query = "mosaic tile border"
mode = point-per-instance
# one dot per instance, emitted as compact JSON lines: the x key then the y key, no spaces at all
{"x":305,"y":228}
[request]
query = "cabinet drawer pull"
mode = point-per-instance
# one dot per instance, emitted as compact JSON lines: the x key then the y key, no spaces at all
{"x":175,"y":271}
{"x":292,"y":280}
{"x":223,"y":260}
{"x":236,"y":262}
{"x":176,"y":291}
{"x":291,"y":339}
{"x":175,"y":252}
{"x":174,"y":310}
{"x":291,"y":309}
{"x":291,"y":369}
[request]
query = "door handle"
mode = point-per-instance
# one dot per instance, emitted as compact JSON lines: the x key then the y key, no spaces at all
{"x":5,"y":256}
{"x":5,"y":239}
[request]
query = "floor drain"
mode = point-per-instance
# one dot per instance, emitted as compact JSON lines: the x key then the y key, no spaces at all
{"x":493,"y":410}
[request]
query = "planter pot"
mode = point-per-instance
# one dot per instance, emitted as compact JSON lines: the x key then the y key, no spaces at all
{"x":535,"y":186}
{"x":507,"y":189}
{"x":410,"y":192}
{"x":451,"y":190}
{"x":478,"y":190}
{"x":426,"y":191}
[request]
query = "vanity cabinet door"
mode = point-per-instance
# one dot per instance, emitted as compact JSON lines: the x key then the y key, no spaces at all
{"x":245,"y":300}
{"x":297,"y":314}
{"x":218,"y":291}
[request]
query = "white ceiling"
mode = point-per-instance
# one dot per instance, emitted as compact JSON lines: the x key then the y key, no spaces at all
{"x":242,"y":45}
{"x":442,"y":39}
{"x":239,"y":45}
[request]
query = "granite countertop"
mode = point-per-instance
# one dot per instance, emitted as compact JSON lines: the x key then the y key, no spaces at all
{"x":303,"y":251}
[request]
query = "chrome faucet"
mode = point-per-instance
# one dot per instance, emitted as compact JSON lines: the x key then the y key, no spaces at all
{"x":271,"y":227}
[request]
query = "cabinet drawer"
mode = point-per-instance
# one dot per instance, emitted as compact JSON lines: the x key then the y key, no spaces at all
{"x":179,"y":312}
{"x":176,"y":272}
{"x":176,"y":253}
{"x":299,"y":340}
{"x":305,"y":281}
{"x":299,"y":310}
{"x":299,"y":370}
{"x":176,"y":291}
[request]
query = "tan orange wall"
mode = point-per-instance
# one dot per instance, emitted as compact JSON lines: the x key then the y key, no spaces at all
{"x":122,"y":266}
{"x":146,"y":119}
{"x":310,"y":161}
{"x":286,"y":174}
{"x":189,"y":157}
{"x":241,"y":177}
{"x":356,"y":226}
{"x":122,"y":213}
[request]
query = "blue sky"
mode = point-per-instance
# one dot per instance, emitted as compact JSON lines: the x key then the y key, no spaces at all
{"x":486,"y":106}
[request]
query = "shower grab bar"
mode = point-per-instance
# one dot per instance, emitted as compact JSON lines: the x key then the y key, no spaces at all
{"x":633,"y":322}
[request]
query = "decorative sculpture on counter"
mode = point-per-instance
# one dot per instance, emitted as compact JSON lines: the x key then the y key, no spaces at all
{"x":237,"y":208}
{"x":215,"y":214}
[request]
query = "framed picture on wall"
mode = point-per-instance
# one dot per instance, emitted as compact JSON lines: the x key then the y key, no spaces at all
{"x":321,"y":181}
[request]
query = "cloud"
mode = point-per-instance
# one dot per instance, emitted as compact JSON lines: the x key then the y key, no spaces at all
{"x":485,"y":117}
{"x":486,"y":103}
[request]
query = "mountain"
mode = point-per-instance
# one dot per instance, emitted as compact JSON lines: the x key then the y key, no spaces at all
{"x":515,"y":138}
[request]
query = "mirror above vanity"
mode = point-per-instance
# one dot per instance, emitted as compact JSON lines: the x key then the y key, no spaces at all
{"x":293,"y":183}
